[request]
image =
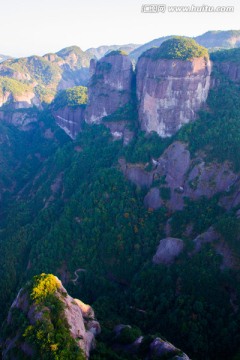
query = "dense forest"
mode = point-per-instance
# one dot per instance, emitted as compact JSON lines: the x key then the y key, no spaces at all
{"x":66,"y":205}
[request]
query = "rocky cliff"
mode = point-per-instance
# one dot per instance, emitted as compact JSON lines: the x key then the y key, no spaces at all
{"x":171,"y":88}
{"x":44,"y":310}
{"x":176,"y":176}
{"x":70,"y":119}
{"x":110,"y":87}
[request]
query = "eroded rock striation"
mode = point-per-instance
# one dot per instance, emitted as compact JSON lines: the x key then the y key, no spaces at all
{"x":110,"y":86}
{"x":70,"y":119}
{"x":175,"y":172}
{"x":170,"y":91}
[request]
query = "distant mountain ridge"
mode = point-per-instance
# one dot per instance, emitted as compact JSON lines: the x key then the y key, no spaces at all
{"x":104,"y":49}
{"x":144,"y":228}
{"x":216,"y":39}
{"x":35,"y":80}
{"x":4,"y":57}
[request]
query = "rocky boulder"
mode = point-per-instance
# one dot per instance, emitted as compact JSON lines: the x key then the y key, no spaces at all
{"x":110,"y":87}
{"x":153,"y":199}
{"x":160,"y":348}
{"x":168,"y":250}
{"x":126,"y":339}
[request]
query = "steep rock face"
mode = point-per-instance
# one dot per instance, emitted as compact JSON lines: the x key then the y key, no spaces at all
{"x":79,"y":316}
{"x":170,"y":92}
{"x":110,"y":86}
{"x":70,"y":119}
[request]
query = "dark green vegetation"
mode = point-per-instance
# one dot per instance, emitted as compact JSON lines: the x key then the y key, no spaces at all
{"x":71,"y":97}
{"x":126,"y":113}
{"x":232,"y":55}
{"x":94,"y":219}
{"x":48,"y":336}
{"x":179,"y":48}
{"x":220,"y":131}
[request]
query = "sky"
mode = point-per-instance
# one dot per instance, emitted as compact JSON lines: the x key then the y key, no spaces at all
{"x":40,"y":26}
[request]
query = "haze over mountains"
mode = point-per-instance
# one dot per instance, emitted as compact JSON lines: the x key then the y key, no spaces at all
{"x":120,"y":175}
{"x":36,"y":79}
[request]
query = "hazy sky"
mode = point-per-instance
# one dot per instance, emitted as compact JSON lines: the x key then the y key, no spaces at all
{"x":40,"y":26}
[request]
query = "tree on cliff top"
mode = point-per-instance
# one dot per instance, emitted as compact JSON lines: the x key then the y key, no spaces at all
{"x":180,"y":48}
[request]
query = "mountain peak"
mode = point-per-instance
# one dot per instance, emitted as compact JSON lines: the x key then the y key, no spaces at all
{"x":179,"y":48}
{"x":49,"y":313}
{"x":69,"y":50}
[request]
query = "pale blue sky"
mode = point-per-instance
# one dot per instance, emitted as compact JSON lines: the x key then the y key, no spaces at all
{"x":40,"y":26}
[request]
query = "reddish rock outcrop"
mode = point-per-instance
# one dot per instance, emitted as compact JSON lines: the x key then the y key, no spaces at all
{"x":70,"y":119}
{"x":170,"y":92}
{"x":182,"y":177}
{"x":110,"y":86}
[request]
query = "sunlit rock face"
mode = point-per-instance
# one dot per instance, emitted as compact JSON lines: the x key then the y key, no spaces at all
{"x":170,"y":92}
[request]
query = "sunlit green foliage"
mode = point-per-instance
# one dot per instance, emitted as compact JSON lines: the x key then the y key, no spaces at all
{"x":179,"y":48}
{"x":72,"y":97}
{"x":15,"y":87}
{"x":43,"y":286}
{"x":49,"y":336}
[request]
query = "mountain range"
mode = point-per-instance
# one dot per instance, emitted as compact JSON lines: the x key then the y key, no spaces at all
{"x":120,"y":186}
